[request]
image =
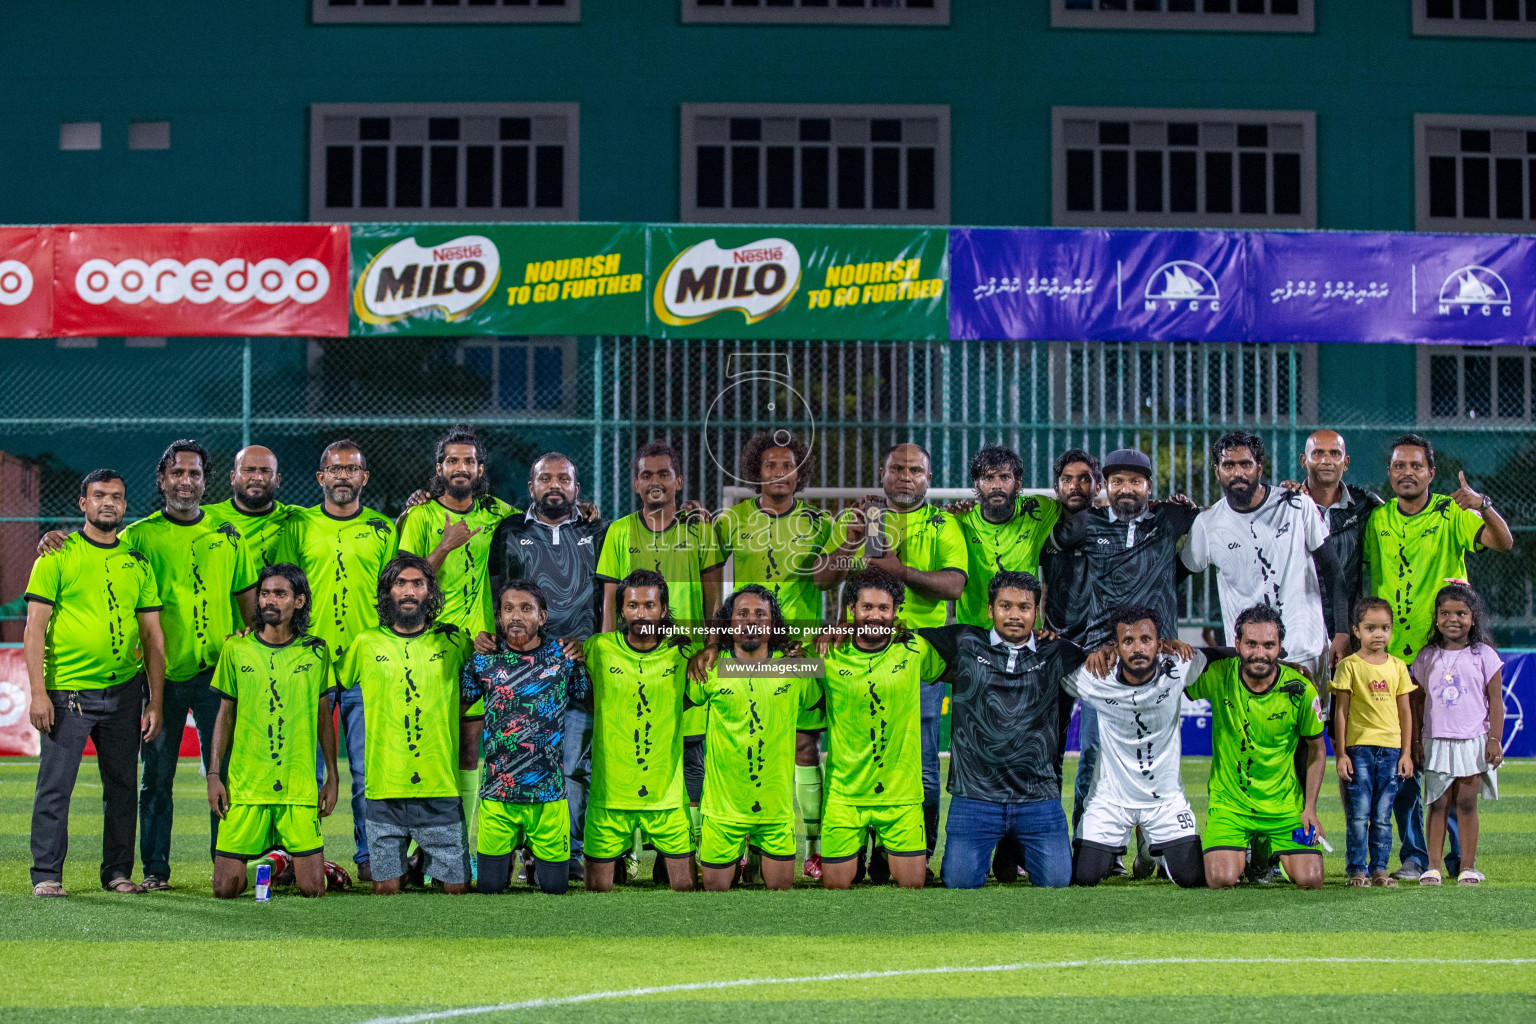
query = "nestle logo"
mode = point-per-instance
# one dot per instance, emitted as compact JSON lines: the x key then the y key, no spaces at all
{"x":456,"y":252}
{"x":757,"y":255}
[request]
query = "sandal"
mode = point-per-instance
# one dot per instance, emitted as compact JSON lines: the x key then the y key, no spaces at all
{"x":1358,"y":882}
{"x":49,"y":889}
{"x":1384,"y":881}
{"x":154,"y":883}
{"x":1470,"y":877}
{"x":1430,"y":877}
{"x":123,"y":884}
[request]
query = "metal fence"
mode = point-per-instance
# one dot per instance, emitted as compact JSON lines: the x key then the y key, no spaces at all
{"x":69,"y":406}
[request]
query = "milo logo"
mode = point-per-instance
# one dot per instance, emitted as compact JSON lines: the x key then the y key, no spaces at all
{"x":405,"y":279}
{"x":757,"y":280}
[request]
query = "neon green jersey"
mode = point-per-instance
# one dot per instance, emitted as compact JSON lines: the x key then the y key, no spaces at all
{"x":261,"y":533}
{"x":1254,"y":738}
{"x":749,"y":749}
{"x":637,"y":736}
{"x":199,"y":566}
{"x":925,"y":538}
{"x":1410,"y":558}
{"x":779,"y":552}
{"x":874,"y":715}
{"x":342,"y":559}
{"x":97,"y":591}
{"x":993,"y":547}
{"x":276,"y":691}
{"x":410,"y":708}
{"x":465,"y":581}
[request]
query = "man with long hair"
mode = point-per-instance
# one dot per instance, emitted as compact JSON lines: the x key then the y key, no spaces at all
{"x":275,"y":684}
{"x":407,"y":668}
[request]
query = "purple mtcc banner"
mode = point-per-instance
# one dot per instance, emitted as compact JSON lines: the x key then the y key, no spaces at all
{"x":1067,"y":284}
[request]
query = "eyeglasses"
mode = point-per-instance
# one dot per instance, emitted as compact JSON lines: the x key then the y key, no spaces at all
{"x":344,"y":471}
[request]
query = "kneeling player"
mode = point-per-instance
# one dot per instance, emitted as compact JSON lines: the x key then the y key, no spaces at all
{"x":527,"y":685}
{"x":873,"y":691}
{"x":750,"y":750}
{"x":408,"y":669}
{"x":1139,"y":706}
{"x":639,"y":673}
{"x":276,"y":688}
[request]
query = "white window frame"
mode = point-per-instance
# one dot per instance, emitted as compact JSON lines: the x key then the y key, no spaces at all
{"x":570,"y":190}
{"x":1422,"y":124}
{"x":690,"y":212}
{"x":1461,"y":352}
{"x":1424,"y":25}
{"x":1186,"y":21}
{"x":1062,"y":217}
{"x":501,"y":346}
{"x":938,"y":14}
{"x":321,"y":12}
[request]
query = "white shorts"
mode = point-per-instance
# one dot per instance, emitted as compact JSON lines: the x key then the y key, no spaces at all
{"x":1109,"y":825}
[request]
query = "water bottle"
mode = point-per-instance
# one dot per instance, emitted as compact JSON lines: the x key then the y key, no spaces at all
{"x":263,"y":883}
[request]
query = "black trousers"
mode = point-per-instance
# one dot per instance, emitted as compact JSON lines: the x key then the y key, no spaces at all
{"x":110,"y":718}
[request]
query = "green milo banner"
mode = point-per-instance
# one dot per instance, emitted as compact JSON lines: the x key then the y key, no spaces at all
{"x":456,"y":279}
{"x":789,"y":282}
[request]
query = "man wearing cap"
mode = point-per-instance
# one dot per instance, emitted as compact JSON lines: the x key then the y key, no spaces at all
{"x":1131,"y":554}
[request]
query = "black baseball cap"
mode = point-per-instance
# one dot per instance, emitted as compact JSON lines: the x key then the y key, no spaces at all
{"x":1127,"y":458}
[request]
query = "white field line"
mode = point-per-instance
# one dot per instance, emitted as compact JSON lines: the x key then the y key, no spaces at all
{"x":700,"y":986}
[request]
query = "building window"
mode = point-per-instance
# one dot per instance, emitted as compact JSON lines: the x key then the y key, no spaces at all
{"x":820,"y":12}
{"x":1510,"y":18}
{"x":1185,"y":15}
{"x":80,"y":135}
{"x":523,"y":375}
{"x":1461,"y":384}
{"x":1139,"y":167}
{"x":1475,"y":173}
{"x":445,"y":11}
{"x":827,"y":164}
{"x":444,"y":162}
{"x":149,"y":135}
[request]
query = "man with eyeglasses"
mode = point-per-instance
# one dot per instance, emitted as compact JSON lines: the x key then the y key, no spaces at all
{"x":343,"y":546}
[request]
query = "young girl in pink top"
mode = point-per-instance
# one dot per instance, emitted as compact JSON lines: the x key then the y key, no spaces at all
{"x":1460,"y":705}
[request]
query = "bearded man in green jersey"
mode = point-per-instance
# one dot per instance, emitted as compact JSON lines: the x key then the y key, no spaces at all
{"x":453,"y":531}
{"x":1003,"y":529}
{"x":408,"y":669}
{"x":253,"y":508}
{"x":872,"y":689}
{"x":680,"y":545}
{"x":639,"y":675}
{"x":748,"y":785}
{"x":924,"y":549}
{"x":275,"y":684}
{"x":342,"y":547}
{"x":775,"y":541}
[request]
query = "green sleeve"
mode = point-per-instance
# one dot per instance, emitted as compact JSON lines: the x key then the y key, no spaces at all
{"x":246,"y":569}
{"x":288,"y":543}
{"x":149,"y":592}
{"x":933,"y":662}
{"x":710,"y":554}
{"x":695,"y":693}
{"x":837,"y":533}
{"x":44,"y":581}
{"x":612,"y":563}
{"x":413,"y":534}
{"x":1468,"y":525}
{"x":225,"y":675}
{"x":810,"y":693}
{"x":346,"y":675}
{"x":1309,"y":717}
{"x":950,"y":550}
{"x":724,"y":528}
{"x":1198,"y":688}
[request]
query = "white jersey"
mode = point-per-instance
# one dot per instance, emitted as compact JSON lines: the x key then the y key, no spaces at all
{"x":1139,"y":738}
{"x":1265,"y":557}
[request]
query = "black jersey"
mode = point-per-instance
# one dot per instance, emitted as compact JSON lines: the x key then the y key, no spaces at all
{"x":1346,"y":537}
{"x":1124,"y":562}
{"x":562,"y":560}
{"x":1009,"y":714}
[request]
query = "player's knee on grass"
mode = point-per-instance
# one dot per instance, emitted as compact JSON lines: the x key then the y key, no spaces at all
{"x":778,"y":875}
{"x":493,"y":872}
{"x":1091,"y":864}
{"x":679,"y":872}
{"x":1304,"y":869}
{"x":717,"y":879}
{"x":599,"y":875}
{"x":309,"y":875}
{"x":910,"y":872}
{"x":553,"y":879}
{"x":1186,"y":863}
{"x":839,"y":874}
{"x":1223,"y":868}
{"x":229,"y":878}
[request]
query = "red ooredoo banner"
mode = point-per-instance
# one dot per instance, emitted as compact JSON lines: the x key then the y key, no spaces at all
{"x":200,"y":279}
{"x":26,"y":282}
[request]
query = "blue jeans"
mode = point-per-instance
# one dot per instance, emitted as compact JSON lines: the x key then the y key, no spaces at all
{"x":1369,"y":810}
{"x":578,"y":771}
{"x":1088,"y":745}
{"x":975,"y":827}
{"x":1408,"y":808}
{"x":351,"y":708}
{"x":160,"y":756}
{"x":930,"y":736}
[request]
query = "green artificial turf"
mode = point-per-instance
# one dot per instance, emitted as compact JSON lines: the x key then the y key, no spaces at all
{"x":1123,"y":950}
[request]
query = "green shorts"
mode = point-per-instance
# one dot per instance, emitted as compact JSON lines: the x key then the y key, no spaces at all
{"x":545,"y":827}
{"x":898,"y":829}
{"x":1228,"y":829}
{"x":250,"y":830}
{"x":610,"y":832}
{"x":721,"y":842}
{"x":812,"y":719}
